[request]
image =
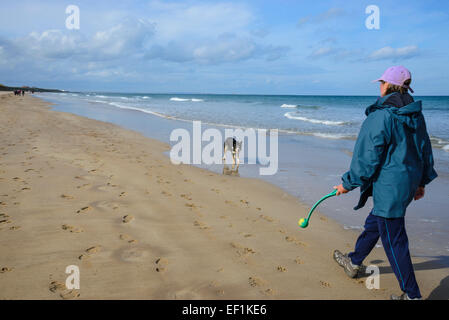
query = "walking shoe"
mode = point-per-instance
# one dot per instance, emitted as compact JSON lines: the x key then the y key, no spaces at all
{"x":344,"y":261}
{"x":403,"y":296}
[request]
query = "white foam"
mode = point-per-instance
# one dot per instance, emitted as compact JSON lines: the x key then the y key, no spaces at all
{"x":446,"y":148}
{"x":179,"y":99}
{"x":121,"y":106}
{"x":289,"y":106}
{"x":325,"y":122}
{"x":183,"y":99}
{"x":330,"y":135}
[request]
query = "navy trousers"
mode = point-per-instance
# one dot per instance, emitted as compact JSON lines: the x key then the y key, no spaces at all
{"x":395,"y":242}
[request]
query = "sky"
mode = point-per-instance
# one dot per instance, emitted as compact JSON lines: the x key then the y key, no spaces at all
{"x":232,"y":47}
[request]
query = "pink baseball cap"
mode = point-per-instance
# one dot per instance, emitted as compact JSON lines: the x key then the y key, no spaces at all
{"x":396,"y":75}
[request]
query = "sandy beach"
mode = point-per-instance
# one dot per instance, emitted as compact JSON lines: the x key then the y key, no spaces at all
{"x":77,"y":191}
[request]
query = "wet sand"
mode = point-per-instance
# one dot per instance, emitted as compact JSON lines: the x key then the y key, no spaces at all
{"x":76,"y":191}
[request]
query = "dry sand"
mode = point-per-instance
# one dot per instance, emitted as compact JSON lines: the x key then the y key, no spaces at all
{"x":76,"y":191}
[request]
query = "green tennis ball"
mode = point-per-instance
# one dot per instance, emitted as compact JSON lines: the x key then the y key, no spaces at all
{"x":303,"y":223}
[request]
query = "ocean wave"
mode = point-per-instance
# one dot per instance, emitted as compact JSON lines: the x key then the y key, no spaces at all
{"x":330,"y":135}
{"x":439,"y":143}
{"x":121,"y":106}
{"x":298,"y":106}
{"x":289,"y":115}
{"x":235,"y":126}
{"x":184,"y":99}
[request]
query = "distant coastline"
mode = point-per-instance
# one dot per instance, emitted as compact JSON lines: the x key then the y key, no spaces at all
{"x":27,"y":88}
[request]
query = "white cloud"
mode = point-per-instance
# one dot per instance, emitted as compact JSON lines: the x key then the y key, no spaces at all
{"x":127,"y":38}
{"x":389,"y":53}
{"x":323,"y":17}
{"x":321,"y":52}
{"x":176,"y":20}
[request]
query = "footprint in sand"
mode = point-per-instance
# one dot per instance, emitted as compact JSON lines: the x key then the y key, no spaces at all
{"x":89,"y":252}
{"x":268,"y":292}
{"x":255,"y":282}
{"x":298,"y":260}
{"x":128,"y":218}
{"x":6,"y":269}
{"x":64,"y":293}
{"x":200,"y":224}
{"x":191,"y":205}
{"x":325,"y":284}
{"x":122,"y":194}
{"x":72,"y":229}
{"x":165,"y":193}
{"x":4,"y":222}
{"x":241,"y":250}
{"x":281,"y":269}
{"x":66,"y":196}
{"x":56,"y":286}
{"x":15,"y":228}
{"x":127,"y":238}
{"x":295,"y":241}
{"x":186,"y":196}
{"x":161,"y":264}
{"x":266,"y":218}
{"x":84,"y":209}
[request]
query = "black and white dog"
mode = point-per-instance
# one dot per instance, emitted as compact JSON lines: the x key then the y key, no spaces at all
{"x":234,"y":146}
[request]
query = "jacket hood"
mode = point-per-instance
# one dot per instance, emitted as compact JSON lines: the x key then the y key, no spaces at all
{"x":400,"y":106}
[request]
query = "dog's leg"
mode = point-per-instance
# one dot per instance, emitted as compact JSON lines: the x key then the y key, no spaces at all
{"x":238,"y":160}
{"x":225,"y":149}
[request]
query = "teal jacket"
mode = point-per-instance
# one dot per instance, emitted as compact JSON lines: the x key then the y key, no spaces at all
{"x":392,"y":156}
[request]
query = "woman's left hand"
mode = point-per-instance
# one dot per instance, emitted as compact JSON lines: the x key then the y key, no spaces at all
{"x":340,"y":189}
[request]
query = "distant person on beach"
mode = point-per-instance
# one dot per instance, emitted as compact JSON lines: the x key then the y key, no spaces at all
{"x":392,"y":162}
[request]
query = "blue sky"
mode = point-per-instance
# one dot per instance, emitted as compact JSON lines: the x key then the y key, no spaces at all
{"x":260,"y":47}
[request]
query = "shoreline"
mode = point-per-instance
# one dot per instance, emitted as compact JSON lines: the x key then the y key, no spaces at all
{"x":194,"y":234}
